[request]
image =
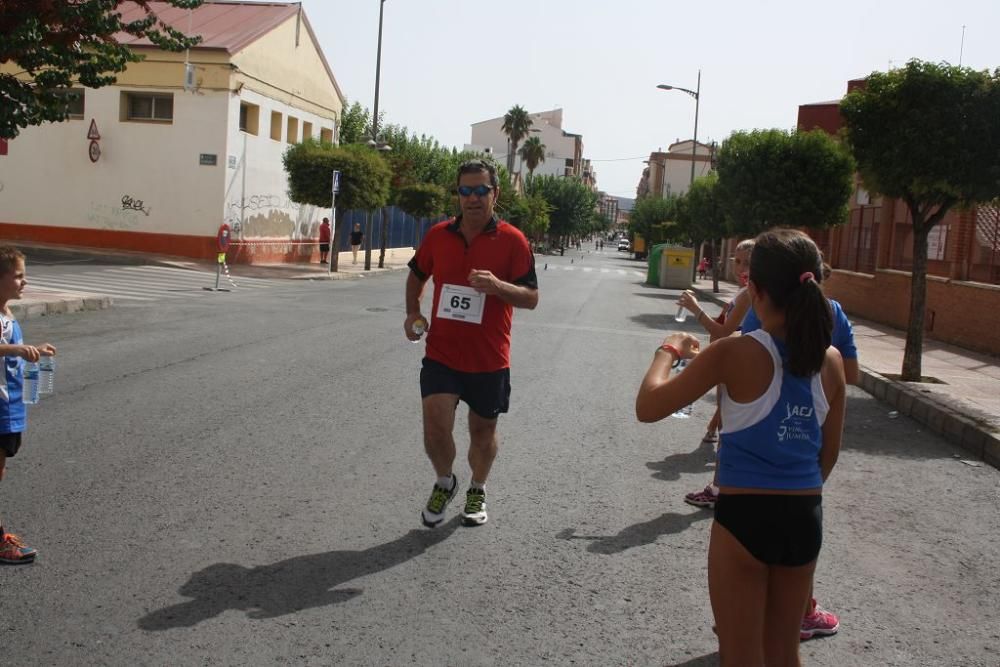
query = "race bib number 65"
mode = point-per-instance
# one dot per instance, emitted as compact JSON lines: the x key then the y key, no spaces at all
{"x":461,"y":303}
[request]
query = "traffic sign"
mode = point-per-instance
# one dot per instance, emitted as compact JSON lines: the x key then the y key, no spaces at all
{"x":92,"y":133}
{"x":223,"y":238}
{"x":94,"y":151}
{"x":336,"y":182}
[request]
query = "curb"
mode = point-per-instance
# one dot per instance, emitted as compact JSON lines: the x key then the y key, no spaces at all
{"x":955,"y":427}
{"x":907,"y":399}
{"x":24,"y":311}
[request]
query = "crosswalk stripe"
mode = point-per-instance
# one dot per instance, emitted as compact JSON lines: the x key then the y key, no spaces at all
{"x":102,"y":287}
{"x":621,"y":272}
{"x":177,"y":271}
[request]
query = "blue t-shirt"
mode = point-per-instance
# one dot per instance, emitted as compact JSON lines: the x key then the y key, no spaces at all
{"x":13,"y":414}
{"x":843,"y":332}
{"x":774,"y":441}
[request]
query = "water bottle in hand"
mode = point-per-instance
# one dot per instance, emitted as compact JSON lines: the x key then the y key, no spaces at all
{"x":682,"y":313}
{"x":46,"y":375}
{"x":419,"y":327}
{"x":30,"y":391}
{"x":686,"y":411}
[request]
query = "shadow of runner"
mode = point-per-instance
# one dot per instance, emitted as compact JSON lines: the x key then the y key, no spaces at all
{"x":700,"y":460}
{"x":290,"y":585}
{"x":637,"y":534}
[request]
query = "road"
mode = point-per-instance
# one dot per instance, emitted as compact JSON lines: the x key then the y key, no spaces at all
{"x":236,"y":480}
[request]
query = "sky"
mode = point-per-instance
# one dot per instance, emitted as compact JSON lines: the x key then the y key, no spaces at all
{"x":449,"y":63}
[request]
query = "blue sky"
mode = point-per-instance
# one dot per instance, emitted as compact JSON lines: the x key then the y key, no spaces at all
{"x":449,"y":63}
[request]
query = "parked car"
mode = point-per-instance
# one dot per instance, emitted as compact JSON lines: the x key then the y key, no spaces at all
{"x":623,"y":244}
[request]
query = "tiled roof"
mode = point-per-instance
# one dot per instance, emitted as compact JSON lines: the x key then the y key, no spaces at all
{"x":222,"y":25}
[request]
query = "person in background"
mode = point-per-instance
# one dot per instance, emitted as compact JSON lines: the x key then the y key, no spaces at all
{"x":357,"y":238}
{"x":324,"y":241}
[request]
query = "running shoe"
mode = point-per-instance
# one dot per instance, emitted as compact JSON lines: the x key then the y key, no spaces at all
{"x":818,"y":623}
{"x":703,"y":498}
{"x":13,"y":551}
{"x":474,"y":513}
{"x":433,"y":514}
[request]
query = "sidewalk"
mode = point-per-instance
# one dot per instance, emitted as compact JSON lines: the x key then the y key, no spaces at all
{"x":964,"y":407}
{"x":42,"y":303}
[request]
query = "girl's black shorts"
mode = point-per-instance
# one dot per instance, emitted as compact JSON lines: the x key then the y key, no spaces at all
{"x":775,"y":529}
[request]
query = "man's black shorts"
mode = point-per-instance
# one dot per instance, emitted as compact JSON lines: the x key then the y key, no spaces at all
{"x":10,"y":443}
{"x":487,"y":394}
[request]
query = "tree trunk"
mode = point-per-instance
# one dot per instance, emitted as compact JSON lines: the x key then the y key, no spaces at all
{"x":913,"y":353}
{"x":715,"y":267}
{"x":382,"y":241}
{"x":338,"y":225}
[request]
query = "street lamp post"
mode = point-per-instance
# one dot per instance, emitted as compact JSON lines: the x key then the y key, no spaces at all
{"x":696,"y":94}
{"x":374,"y":139}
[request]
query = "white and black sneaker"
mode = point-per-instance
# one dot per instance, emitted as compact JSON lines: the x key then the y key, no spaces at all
{"x":433,"y":514}
{"x":474,"y":513}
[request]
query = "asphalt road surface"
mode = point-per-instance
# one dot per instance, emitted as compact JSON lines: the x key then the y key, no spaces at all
{"x":236,"y":480}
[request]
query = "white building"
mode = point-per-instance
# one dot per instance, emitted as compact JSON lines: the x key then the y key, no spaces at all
{"x":669,"y":174}
{"x":172,"y":164}
{"x":563,"y":150}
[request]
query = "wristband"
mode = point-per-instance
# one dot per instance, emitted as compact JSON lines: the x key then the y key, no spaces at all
{"x":667,"y":347}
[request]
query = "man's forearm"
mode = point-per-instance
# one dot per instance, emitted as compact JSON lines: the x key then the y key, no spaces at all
{"x":518,"y":296}
{"x":414,"y":290}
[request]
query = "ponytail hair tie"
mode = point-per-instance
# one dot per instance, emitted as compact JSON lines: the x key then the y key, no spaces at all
{"x":808,"y":275}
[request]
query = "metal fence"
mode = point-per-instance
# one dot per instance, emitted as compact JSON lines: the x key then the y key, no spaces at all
{"x":402,"y":229}
{"x":985,"y":265}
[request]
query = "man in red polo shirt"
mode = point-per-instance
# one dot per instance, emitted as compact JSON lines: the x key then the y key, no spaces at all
{"x":482,"y":269}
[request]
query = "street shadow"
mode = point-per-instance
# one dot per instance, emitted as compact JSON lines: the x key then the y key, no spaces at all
{"x":672,"y":467}
{"x":291,"y":585}
{"x":637,"y":534}
{"x":708,"y":660}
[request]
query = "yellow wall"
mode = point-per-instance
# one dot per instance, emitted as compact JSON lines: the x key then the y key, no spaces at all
{"x":297,"y":72}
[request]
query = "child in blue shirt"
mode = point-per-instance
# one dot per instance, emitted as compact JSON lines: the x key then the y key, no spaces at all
{"x":13,"y":415}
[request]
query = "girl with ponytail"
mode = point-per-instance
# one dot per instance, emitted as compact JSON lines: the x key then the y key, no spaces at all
{"x":782,"y":409}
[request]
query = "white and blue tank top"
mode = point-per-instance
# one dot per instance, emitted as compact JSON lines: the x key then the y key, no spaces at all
{"x":774,"y":441}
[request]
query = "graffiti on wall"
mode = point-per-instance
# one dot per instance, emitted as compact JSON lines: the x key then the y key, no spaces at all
{"x":270,"y":216}
{"x":104,"y":216}
{"x":131,"y":204}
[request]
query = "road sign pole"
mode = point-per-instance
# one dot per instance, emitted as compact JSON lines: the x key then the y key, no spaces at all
{"x":335,"y":232}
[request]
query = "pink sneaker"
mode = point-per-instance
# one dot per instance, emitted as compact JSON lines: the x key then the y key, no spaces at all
{"x":703,"y":498}
{"x":818,"y":623}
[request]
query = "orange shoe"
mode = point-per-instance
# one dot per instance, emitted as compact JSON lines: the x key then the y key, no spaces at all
{"x":13,"y":551}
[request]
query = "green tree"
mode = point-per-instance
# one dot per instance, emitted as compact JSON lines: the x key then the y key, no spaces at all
{"x":928,"y":134}
{"x":771,"y":178}
{"x":571,"y":203}
{"x":653,"y":218}
{"x":516,"y":125}
{"x":533,"y":154}
{"x":702,"y":218}
{"x":355,"y":124}
{"x":364,"y":179}
{"x":423,"y":200}
{"x":59,"y":43}
{"x":531,"y":215}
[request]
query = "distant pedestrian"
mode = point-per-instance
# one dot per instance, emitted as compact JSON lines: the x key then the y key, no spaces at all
{"x":324,"y":240}
{"x":357,"y":238}
{"x":13,"y":414}
{"x":703,"y":268}
{"x":783,"y":400}
{"x":482,"y":269}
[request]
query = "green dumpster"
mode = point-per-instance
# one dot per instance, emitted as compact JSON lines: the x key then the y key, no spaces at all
{"x":653,"y":272}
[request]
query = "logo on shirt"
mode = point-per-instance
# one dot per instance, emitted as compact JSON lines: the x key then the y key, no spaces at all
{"x":795,"y":425}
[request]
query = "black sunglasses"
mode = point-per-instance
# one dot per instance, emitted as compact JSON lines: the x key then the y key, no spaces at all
{"x":479,"y":190}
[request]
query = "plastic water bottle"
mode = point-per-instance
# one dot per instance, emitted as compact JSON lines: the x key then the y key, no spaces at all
{"x":30,"y":393}
{"x":685,"y":412}
{"x":682,"y":313}
{"x":46,"y":375}
{"x":419,"y":327}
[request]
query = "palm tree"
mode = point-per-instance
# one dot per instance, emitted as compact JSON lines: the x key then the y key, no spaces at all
{"x":516,"y":125}
{"x":533,"y":153}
